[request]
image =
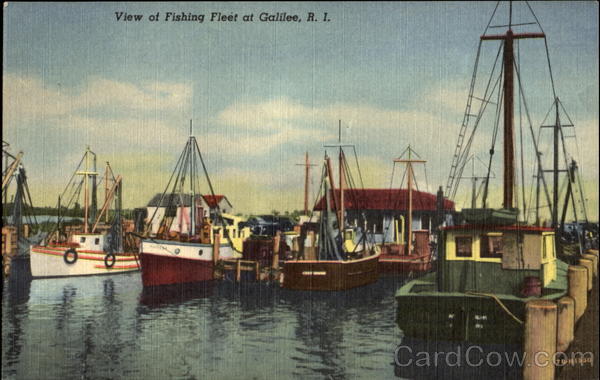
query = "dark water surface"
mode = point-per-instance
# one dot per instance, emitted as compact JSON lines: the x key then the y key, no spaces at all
{"x":111,"y":327}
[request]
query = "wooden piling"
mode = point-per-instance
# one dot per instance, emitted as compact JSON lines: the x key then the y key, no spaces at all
{"x":577,"y":277}
{"x":257,"y":270}
{"x":216,"y":246}
{"x":594,"y":259}
{"x":276,"y":244}
{"x":238,"y":271}
{"x":589,"y":266}
{"x":539,"y":340}
{"x":565,"y":328}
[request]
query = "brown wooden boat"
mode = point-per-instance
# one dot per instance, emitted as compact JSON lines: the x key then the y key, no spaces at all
{"x":329,"y":265}
{"x":330,"y":274}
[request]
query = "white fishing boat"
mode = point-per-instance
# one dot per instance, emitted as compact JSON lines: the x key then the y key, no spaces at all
{"x":84,"y":250}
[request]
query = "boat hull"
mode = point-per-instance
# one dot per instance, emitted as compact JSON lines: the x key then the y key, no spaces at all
{"x":163,"y":270}
{"x":460,"y":318}
{"x":330,"y":275}
{"x":50,"y":262}
{"x":170,"y":262}
{"x":427,"y":314}
{"x":404,"y":264}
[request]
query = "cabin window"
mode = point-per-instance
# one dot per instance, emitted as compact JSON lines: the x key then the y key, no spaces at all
{"x":199,"y":252}
{"x":348,"y":235}
{"x":491,"y":246}
{"x":82,"y":239}
{"x":464,"y":246}
{"x":97,"y":241}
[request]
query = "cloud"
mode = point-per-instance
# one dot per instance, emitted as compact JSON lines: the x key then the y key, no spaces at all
{"x":449,"y":98}
{"x":267,"y":115}
{"x":284,"y":121}
{"x":254,"y":145}
{"x":30,"y":99}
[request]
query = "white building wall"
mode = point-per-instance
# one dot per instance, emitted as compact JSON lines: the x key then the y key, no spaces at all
{"x":156,"y":221}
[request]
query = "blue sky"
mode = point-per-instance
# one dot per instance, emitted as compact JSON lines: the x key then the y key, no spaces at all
{"x":261,"y":94}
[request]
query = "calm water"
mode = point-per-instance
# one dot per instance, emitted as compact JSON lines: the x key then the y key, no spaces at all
{"x":110,"y":327}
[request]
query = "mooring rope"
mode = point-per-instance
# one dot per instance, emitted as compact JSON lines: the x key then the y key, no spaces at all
{"x":495,"y":298}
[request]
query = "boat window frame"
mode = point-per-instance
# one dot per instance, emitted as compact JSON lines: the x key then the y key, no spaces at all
{"x":456,"y":251}
{"x":545,"y":255}
{"x":483,"y":244}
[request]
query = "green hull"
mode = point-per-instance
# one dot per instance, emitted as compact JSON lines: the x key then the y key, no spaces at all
{"x":424,"y":313}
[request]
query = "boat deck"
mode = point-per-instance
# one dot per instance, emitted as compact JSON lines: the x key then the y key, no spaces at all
{"x":426,"y":286}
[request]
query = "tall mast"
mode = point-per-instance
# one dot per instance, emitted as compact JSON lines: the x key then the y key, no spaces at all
{"x":508,"y":100}
{"x":306,"y":182}
{"x":342,"y":180}
{"x":410,"y":173}
{"x":307,"y":166}
{"x":509,"y":135}
{"x":86,"y":173}
{"x":555,"y":171}
{"x":193,"y":200}
{"x":335,"y":198}
{"x":85,"y":193}
{"x":340,"y":207}
{"x":106,"y":189}
{"x":474,"y":186}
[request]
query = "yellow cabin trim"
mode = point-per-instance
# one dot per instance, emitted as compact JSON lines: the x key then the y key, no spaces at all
{"x":475,"y":248}
{"x":548,"y":258}
{"x":543,"y":246}
{"x":349,"y":245}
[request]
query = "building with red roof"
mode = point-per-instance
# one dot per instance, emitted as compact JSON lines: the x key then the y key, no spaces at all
{"x":381,"y":208}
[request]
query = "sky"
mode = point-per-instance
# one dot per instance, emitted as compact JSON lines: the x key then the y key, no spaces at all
{"x":261,"y":94}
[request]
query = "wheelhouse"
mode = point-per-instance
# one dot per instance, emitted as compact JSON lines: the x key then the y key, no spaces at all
{"x":496,"y":259}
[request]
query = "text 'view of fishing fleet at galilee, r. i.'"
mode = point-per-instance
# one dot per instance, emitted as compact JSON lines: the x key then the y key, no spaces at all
{"x":333,"y":190}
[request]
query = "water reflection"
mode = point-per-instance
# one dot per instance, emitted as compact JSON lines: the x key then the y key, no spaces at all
{"x":164,"y":295}
{"x":112,"y":327}
{"x":15,"y":310}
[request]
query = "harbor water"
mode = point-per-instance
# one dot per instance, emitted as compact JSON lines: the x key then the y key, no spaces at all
{"x":110,"y":327}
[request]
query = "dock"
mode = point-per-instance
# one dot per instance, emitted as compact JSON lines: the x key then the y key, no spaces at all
{"x":586,"y":340}
{"x":238,"y":266}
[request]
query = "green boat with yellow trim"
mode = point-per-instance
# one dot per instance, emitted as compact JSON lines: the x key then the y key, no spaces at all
{"x":493,"y":262}
{"x":485,"y":276}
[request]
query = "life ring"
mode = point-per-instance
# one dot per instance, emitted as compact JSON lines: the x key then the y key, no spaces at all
{"x":109,"y":260}
{"x":68,"y":253}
